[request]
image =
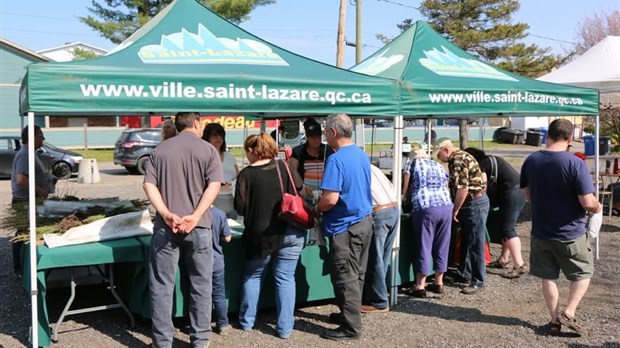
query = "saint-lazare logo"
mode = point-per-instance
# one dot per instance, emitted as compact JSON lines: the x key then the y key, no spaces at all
{"x":378,"y":63}
{"x":447,"y":63}
{"x":205,"y":48}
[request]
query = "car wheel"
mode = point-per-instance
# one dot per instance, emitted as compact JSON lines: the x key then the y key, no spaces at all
{"x":61,"y":170}
{"x":141,"y":165}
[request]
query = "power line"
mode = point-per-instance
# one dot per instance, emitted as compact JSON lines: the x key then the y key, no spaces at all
{"x":552,"y":39}
{"x":399,"y":4}
{"x":35,"y":16}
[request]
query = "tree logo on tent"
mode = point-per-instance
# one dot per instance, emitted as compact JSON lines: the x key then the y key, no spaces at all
{"x":447,"y":63}
{"x":205,"y":48}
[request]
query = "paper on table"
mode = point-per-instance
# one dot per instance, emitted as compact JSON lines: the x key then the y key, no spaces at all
{"x":114,"y":227}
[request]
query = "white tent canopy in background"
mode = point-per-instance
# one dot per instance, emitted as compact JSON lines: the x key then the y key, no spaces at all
{"x":598,"y":67}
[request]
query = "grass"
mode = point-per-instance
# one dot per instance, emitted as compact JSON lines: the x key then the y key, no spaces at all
{"x":105,"y":155}
{"x":101,"y":155}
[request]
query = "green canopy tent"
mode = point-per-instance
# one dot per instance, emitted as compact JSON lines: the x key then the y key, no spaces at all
{"x":440,"y":80}
{"x":189,"y":59}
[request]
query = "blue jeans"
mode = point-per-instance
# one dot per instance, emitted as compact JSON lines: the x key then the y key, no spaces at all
{"x":375,"y":288}
{"x":473,"y":218}
{"x":220,"y":304}
{"x":510,"y":205}
{"x":197,"y":251}
{"x":284,"y":265}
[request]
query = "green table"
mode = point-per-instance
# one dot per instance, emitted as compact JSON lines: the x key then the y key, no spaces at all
{"x":101,"y":253}
{"x":131,"y":279}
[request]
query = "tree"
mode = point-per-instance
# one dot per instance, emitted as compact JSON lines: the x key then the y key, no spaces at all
{"x":82,"y":54}
{"x":484,"y":28}
{"x":116,"y":20}
{"x":595,"y":28}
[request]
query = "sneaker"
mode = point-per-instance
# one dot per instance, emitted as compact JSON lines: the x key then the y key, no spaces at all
{"x":436,"y":288}
{"x":498,"y":263}
{"x":373,"y":309}
{"x":457,"y":278}
{"x":222,"y":330}
{"x":338,"y":335}
{"x":335,"y":318}
{"x":516,"y":271}
{"x":471,"y":289}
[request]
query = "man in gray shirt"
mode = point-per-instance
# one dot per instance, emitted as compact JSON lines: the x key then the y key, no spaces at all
{"x":183,"y":178}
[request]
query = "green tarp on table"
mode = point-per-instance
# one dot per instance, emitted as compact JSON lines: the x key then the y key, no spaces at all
{"x":187,"y":58}
{"x":439,"y":79}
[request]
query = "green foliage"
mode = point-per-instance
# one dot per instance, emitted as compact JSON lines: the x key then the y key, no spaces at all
{"x":116,"y":20}
{"x":484,"y":28}
{"x":82,"y":54}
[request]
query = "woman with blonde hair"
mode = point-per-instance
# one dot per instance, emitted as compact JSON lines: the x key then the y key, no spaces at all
{"x":266,"y":238}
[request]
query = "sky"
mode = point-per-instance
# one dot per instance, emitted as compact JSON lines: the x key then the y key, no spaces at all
{"x":307,"y":28}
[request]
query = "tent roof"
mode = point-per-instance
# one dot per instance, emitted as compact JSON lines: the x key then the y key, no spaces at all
{"x":187,"y":58}
{"x":440,"y":79}
{"x":598,"y":67}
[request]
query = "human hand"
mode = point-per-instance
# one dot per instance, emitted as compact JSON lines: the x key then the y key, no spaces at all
{"x":188,"y":223}
{"x":172,"y":220}
{"x":455,"y":214}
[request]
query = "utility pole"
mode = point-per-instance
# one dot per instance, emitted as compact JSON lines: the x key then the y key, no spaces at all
{"x":340,"y":38}
{"x":358,"y":31}
{"x":359,"y":122}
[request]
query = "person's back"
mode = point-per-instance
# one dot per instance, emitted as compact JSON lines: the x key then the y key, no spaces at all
{"x":181,"y":167}
{"x":555,"y":179}
{"x":355,"y":201}
{"x":430,"y":184}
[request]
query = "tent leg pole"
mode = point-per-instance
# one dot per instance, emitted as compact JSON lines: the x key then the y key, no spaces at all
{"x":397,"y":181}
{"x":33,"y":234}
{"x":597,"y":171}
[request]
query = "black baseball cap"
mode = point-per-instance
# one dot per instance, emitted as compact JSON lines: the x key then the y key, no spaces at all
{"x":312,"y":127}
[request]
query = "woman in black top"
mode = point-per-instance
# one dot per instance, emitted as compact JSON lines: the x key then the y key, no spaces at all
{"x":265,"y":237}
{"x":504,"y":193}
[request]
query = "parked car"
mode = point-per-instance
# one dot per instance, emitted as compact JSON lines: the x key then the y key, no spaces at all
{"x":60,"y":162}
{"x":133,"y":148}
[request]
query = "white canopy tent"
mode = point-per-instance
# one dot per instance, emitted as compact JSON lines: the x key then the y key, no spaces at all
{"x":599,"y":68}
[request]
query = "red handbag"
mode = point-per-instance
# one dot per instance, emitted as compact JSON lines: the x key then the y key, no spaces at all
{"x":293,"y":209}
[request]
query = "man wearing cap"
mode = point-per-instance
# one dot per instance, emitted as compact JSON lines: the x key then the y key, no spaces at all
{"x":43,"y":183}
{"x":471,"y":207}
{"x":309,"y":158}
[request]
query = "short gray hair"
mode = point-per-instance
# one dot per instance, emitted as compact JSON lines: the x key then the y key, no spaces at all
{"x":341,"y":123}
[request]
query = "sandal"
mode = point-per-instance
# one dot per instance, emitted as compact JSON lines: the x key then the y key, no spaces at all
{"x":516,"y":271}
{"x":499,"y":264}
{"x":571,"y":323}
{"x":555,"y":329}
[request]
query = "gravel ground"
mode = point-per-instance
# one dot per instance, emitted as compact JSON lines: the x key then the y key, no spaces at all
{"x":508,"y":313}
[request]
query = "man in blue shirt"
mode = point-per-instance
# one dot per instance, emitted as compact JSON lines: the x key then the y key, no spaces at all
{"x":346,"y":205}
{"x":559,"y":187}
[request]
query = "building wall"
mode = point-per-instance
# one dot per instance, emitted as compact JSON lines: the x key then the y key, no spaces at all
{"x":12,"y":70}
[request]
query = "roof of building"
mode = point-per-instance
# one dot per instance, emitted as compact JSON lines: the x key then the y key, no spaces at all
{"x":23,"y":50}
{"x":71,"y":45}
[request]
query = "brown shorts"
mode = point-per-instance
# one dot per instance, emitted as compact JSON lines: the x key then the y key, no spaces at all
{"x":573,"y":257}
